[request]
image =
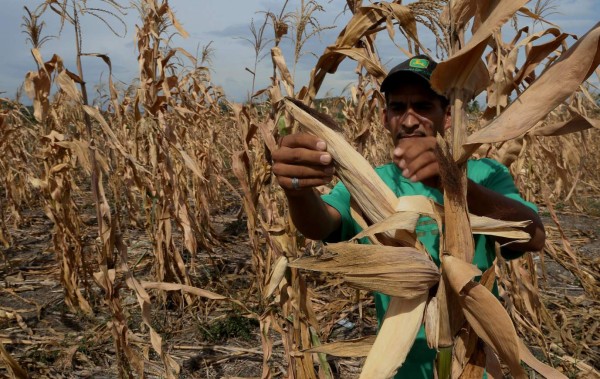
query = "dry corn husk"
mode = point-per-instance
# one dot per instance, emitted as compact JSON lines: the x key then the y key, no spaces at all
{"x":396,"y":271}
{"x":276,"y":275}
{"x":484,"y":312}
{"x":372,"y":195}
{"x":395,"y":338}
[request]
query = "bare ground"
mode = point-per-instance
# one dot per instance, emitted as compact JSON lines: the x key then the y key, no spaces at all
{"x":215,"y":340}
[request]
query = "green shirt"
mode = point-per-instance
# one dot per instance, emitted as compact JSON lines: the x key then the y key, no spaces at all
{"x":486,"y":172}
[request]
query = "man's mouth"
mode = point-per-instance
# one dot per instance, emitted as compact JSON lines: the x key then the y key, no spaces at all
{"x":411,"y":135}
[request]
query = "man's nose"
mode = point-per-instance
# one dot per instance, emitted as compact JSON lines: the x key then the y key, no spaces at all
{"x":410,"y":119}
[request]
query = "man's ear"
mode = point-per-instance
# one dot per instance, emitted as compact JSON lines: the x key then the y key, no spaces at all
{"x":384,"y":118}
{"x":448,"y":118}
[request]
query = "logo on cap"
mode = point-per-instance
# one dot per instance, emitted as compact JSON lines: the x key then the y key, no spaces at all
{"x":418,"y":63}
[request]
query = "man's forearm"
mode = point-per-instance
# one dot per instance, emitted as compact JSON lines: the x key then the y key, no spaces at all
{"x":311,"y":215}
{"x":485,"y":202}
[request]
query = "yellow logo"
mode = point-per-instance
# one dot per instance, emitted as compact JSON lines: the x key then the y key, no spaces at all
{"x":419,"y":63}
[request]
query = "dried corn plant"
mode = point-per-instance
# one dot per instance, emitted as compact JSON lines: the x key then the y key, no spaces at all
{"x":57,"y":181}
{"x":553,"y":152}
{"x":290,"y":312}
{"x":16,"y":129}
{"x":157,"y":178}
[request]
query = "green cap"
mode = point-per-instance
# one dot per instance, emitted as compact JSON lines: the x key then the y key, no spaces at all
{"x":420,"y":65}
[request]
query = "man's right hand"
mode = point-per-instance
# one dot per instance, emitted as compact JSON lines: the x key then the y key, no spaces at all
{"x":304,"y":157}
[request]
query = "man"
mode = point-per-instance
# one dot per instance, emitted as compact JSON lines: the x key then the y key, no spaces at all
{"x":414,"y":114}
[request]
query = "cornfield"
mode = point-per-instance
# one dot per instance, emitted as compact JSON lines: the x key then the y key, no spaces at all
{"x":143,"y":233}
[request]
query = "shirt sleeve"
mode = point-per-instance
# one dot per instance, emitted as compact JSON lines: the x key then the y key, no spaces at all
{"x":339,"y":198}
{"x":498,"y":179}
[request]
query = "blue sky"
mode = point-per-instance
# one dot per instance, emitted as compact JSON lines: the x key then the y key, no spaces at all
{"x":224,"y":22}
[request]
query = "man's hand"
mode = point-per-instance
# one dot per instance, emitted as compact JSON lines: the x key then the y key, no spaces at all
{"x":304,"y":157}
{"x":416,"y":158}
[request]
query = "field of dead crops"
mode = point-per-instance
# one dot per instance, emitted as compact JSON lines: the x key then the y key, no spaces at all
{"x":143,"y":233}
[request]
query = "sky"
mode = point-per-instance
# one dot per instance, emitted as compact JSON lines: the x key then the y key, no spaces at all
{"x":225,"y":23}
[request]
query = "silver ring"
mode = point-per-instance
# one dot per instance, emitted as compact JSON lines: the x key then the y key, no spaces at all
{"x":295,"y":183}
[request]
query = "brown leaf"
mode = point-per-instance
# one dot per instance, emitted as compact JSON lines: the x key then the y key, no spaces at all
{"x":398,"y":331}
{"x":484,"y":312}
{"x":12,"y":365}
{"x":546,"y":93}
{"x":456,"y":71}
{"x":576,"y":124}
{"x":542,"y":369}
{"x":276,"y":276}
{"x":182,"y":287}
{"x":397,"y":271}
{"x":279,"y":61}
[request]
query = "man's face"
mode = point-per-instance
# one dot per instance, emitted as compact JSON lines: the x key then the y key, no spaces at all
{"x":414,"y":110}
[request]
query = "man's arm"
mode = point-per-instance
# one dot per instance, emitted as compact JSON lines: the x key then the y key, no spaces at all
{"x":311,"y":215}
{"x":485,"y":202}
{"x":304,"y":157}
{"x":417,"y":158}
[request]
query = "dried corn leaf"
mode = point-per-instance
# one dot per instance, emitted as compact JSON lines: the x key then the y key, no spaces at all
{"x":546,"y":93}
{"x":484,"y":312}
{"x":397,"y":271}
{"x":398,"y":220}
{"x":432,"y":323}
{"x":176,"y":23}
{"x":479,"y":225}
{"x":499,"y":228}
{"x":279,"y":61}
{"x":405,"y":18}
{"x":37,"y":56}
{"x":416,"y":203}
{"x":359,"y":347}
{"x":172,"y":368}
{"x":398,"y":331}
{"x":475,"y":367}
{"x":364,"y":21}
{"x":492,"y":364}
{"x":113,"y":139}
{"x":541,"y":368}
{"x":576,"y":124}
{"x":276,"y":276}
{"x":182,"y":287}
{"x":535,"y":16}
{"x":371,"y":64}
{"x":66,"y":83}
{"x":536,"y":54}
{"x":459,"y":13}
{"x":456,"y":72}
{"x":12,"y":365}
{"x":81,"y":150}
